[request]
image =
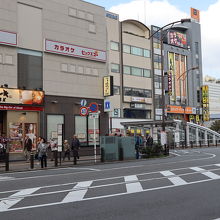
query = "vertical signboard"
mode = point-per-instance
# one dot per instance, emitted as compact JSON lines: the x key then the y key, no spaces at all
{"x":183,"y":79}
{"x":195,"y":14}
{"x":177,"y":78}
{"x":108,"y":86}
{"x":172,"y":74}
{"x":205,"y":102}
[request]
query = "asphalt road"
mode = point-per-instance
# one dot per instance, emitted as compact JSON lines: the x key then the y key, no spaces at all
{"x":183,"y":186}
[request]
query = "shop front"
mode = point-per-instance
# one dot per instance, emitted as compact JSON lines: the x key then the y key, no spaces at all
{"x":20,"y":117}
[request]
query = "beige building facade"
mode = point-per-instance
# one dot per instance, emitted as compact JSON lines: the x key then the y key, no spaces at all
{"x":129,"y":62}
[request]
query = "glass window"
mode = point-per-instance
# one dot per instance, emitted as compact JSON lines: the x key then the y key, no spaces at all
{"x":115,"y":67}
{"x":127,"y":70}
{"x":138,"y":92}
{"x":30,"y":69}
{"x":147,"y":93}
{"x":81,"y":129}
{"x":147,"y":73}
{"x":137,"y":51}
{"x":136,"y":71}
{"x":114,"y":45}
{"x":52,"y":122}
{"x":158,"y":101}
{"x":156,"y":45}
{"x":146,"y":53}
{"x":137,"y":113}
{"x":127,"y":91}
{"x":197,"y":47}
{"x":116,"y":90}
{"x":126,"y":48}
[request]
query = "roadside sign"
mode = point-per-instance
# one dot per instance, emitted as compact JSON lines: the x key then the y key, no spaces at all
{"x":83,"y":102}
{"x":107,"y":106}
{"x":94,"y":107}
{"x":84,"y":111}
{"x":93,"y":115}
{"x":163,"y":138}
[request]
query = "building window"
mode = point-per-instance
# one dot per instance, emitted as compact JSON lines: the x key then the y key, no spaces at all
{"x":158,"y":101}
{"x":126,"y":48}
{"x":115,"y":68}
{"x":9,"y":59}
{"x":146,"y":53}
{"x":52,"y":122}
{"x":137,"y":51}
{"x":72,"y":68}
{"x":157,"y":82}
{"x":90,"y":17}
{"x":80,"y":69}
{"x":116,"y":90}
{"x":147,"y":73}
{"x":81,"y":129}
{"x":198,"y":96}
{"x":197,"y":47}
{"x":92,"y":28}
{"x":136,"y":71}
{"x":145,"y":93}
{"x":127,"y":70}
{"x":72,"y":12}
{"x":81,"y":14}
{"x":137,"y":113}
{"x":30,"y":69}
{"x":114,"y":45}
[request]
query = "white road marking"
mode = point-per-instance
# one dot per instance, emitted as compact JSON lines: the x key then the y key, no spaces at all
{"x":177,"y":181}
{"x":175,"y":154}
{"x":79,"y":192}
{"x":218,"y":165}
{"x":2,"y":178}
{"x":15,"y":198}
{"x":132,"y":184}
{"x":206,"y":173}
{"x":105,"y":196}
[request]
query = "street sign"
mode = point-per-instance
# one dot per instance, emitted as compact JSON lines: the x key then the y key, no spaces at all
{"x":94,"y":107}
{"x":84,"y":111}
{"x":83,"y":102}
{"x":107,"y":106}
{"x":93,"y":115}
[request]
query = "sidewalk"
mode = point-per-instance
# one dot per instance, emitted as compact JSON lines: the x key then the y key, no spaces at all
{"x":16,"y":166}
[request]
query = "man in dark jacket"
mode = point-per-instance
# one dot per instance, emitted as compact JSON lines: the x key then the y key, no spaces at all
{"x":75,"y":148}
{"x":27,"y":147}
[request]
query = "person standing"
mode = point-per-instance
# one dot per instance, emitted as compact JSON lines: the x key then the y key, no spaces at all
{"x":149,"y":141}
{"x":53,"y":148}
{"x":138,"y":142}
{"x":66,"y":148}
{"x":75,"y":148}
{"x":27,"y":147}
{"x":42,"y":152}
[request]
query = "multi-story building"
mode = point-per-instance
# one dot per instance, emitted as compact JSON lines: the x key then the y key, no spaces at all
{"x":213,"y":96}
{"x":182,"y":61}
{"x":52,"y":56}
{"x":129,"y":61}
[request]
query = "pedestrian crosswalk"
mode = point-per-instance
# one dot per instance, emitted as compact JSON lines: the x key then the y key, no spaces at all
{"x":3,"y":178}
{"x":108,"y":187}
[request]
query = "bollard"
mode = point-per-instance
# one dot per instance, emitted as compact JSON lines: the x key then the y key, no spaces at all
{"x":6,"y":161}
{"x":121,"y":154}
{"x":168,"y":150}
{"x":32,"y":160}
{"x":55,"y":158}
{"x":200,"y":144}
{"x":102,"y":155}
{"x":191,"y":144}
{"x":208,"y":143}
{"x":216,"y":143}
{"x":182,"y":145}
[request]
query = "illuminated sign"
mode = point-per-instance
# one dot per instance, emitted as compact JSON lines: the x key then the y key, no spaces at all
{"x":205,"y":103}
{"x":179,"y":109}
{"x":108,"y":86}
{"x":18,"y":96}
{"x":75,"y":51}
{"x":8,"y":38}
{"x":177,"y":39}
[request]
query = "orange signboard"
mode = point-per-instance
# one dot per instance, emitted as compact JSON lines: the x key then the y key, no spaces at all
{"x":179,"y":110}
{"x":195,"y":14}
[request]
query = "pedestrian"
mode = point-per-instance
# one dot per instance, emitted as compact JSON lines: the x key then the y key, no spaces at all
{"x":27,"y":147}
{"x":149,"y":141}
{"x":75,"y":148}
{"x":66,"y":148}
{"x":42,"y":152}
{"x":138,"y":142}
{"x":53,"y":148}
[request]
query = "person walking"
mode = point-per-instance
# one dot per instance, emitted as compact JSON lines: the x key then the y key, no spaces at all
{"x":149,"y":141}
{"x":66,"y":148}
{"x":42,"y":152}
{"x":75,"y":148}
{"x":138,"y":142}
{"x":53,"y":148}
{"x":27,"y":147}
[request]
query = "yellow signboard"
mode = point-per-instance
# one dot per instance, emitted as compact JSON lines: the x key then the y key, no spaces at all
{"x":205,"y":102}
{"x":108,"y":85}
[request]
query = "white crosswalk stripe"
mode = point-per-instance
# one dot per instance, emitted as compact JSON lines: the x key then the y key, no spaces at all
{"x":209,"y":174}
{"x":78,"y":192}
{"x":134,"y":185}
{"x":177,"y":181}
{"x":15,"y":198}
{"x":2,"y":178}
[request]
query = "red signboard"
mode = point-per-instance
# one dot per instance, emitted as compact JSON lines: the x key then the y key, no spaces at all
{"x":93,"y":107}
{"x":20,"y":108}
{"x":84,"y":111}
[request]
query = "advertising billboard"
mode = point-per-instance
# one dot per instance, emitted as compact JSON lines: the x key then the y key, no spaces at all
{"x":195,"y":14}
{"x":205,"y":102}
{"x":171,"y":74}
{"x":108,"y":86}
{"x":19,"y":96}
{"x":177,"y":39}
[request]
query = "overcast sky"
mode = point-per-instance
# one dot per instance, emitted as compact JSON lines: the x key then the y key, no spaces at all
{"x":161,"y":12}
